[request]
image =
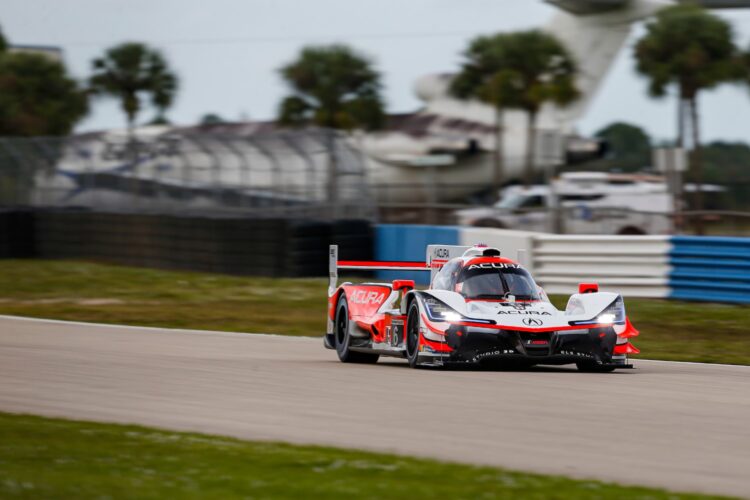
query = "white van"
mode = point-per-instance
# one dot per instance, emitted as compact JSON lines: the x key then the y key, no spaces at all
{"x":587,"y":203}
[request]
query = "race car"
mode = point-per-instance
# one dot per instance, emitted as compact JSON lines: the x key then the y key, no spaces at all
{"x":481,"y":309}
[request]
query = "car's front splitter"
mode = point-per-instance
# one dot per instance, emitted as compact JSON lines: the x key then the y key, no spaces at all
{"x":471,"y":345}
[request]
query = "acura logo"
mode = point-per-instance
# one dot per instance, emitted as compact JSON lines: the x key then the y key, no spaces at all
{"x":532,"y":322}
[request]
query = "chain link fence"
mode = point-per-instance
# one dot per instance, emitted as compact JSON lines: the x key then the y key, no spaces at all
{"x":311,"y":173}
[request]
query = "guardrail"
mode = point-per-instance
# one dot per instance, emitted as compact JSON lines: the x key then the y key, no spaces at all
{"x":632,"y":265}
{"x":680,"y":267}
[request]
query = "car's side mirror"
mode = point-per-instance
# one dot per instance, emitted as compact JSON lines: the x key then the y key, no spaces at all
{"x":588,"y":287}
{"x":403,"y":285}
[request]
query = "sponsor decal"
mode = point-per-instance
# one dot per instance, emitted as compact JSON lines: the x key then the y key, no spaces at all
{"x":364,"y":297}
{"x":494,"y":265}
{"x":442,"y":253}
{"x":486,"y":354}
{"x":532,"y":322}
{"x":577,"y":353}
{"x":526,"y":313}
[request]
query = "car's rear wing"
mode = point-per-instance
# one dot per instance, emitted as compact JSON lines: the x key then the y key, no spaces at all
{"x":436,"y":257}
{"x":334,"y":264}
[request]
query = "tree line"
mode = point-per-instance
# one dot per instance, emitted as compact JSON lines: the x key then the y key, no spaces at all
{"x":685,"y":50}
{"x":39,"y":98}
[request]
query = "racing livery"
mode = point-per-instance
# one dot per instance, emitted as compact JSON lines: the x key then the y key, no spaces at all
{"x":480,"y":309}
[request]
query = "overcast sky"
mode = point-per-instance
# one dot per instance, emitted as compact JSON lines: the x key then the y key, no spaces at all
{"x":227,"y":52}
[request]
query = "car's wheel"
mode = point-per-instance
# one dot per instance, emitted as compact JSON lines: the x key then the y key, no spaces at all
{"x":412,"y":334}
{"x":589,"y":367}
{"x":343,"y":337}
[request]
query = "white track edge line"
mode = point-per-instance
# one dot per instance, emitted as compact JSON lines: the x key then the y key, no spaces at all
{"x":156,"y":328}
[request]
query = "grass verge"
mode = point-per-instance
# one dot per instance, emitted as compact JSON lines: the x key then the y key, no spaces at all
{"x":81,"y":291}
{"x":53,"y":458}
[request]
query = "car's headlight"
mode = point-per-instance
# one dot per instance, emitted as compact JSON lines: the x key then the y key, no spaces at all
{"x":437,"y":310}
{"x":452,"y":316}
{"x":612,"y":314}
{"x":606,"y":318}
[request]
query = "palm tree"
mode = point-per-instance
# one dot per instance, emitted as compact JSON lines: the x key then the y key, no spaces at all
{"x":332,"y":87}
{"x":130,"y":72}
{"x":3,"y":42}
{"x":37,"y":95}
{"x":522,"y":70}
{"x":687,"y":48}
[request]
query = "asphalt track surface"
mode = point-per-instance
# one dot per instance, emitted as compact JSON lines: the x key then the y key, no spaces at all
{"x":681,"y":426}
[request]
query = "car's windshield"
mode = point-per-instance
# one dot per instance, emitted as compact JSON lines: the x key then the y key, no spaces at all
{"x":496,"y":281}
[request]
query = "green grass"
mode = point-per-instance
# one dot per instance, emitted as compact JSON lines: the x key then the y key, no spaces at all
{"x":53,"y":458}
{"x":80,"y":291}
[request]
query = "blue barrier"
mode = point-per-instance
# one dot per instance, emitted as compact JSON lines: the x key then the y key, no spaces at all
{"x":400,"y":242}
{"x":715,"y":269}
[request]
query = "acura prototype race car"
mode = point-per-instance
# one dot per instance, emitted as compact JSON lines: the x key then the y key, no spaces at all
{"x":480,"y":309}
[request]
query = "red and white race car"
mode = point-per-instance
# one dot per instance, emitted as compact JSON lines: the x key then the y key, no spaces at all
{"x":480,"y":308}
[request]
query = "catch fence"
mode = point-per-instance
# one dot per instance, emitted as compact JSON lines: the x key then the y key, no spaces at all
{"x":311,"y":173}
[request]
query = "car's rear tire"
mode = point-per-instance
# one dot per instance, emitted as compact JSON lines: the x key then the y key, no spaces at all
{"x":412,"y":334}
{"x":343,"y":339}
{"x":590,"y":367}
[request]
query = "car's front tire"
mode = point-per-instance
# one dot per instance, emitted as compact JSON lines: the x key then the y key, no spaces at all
{"x":343,"y":338}
{"x":413,"y":322}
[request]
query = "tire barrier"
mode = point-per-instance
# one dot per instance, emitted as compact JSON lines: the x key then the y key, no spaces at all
{"x":228,"y":245}
{"x":16,"y":234}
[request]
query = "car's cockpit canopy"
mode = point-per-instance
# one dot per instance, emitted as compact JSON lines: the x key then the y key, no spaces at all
{"x":486,"y":278}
